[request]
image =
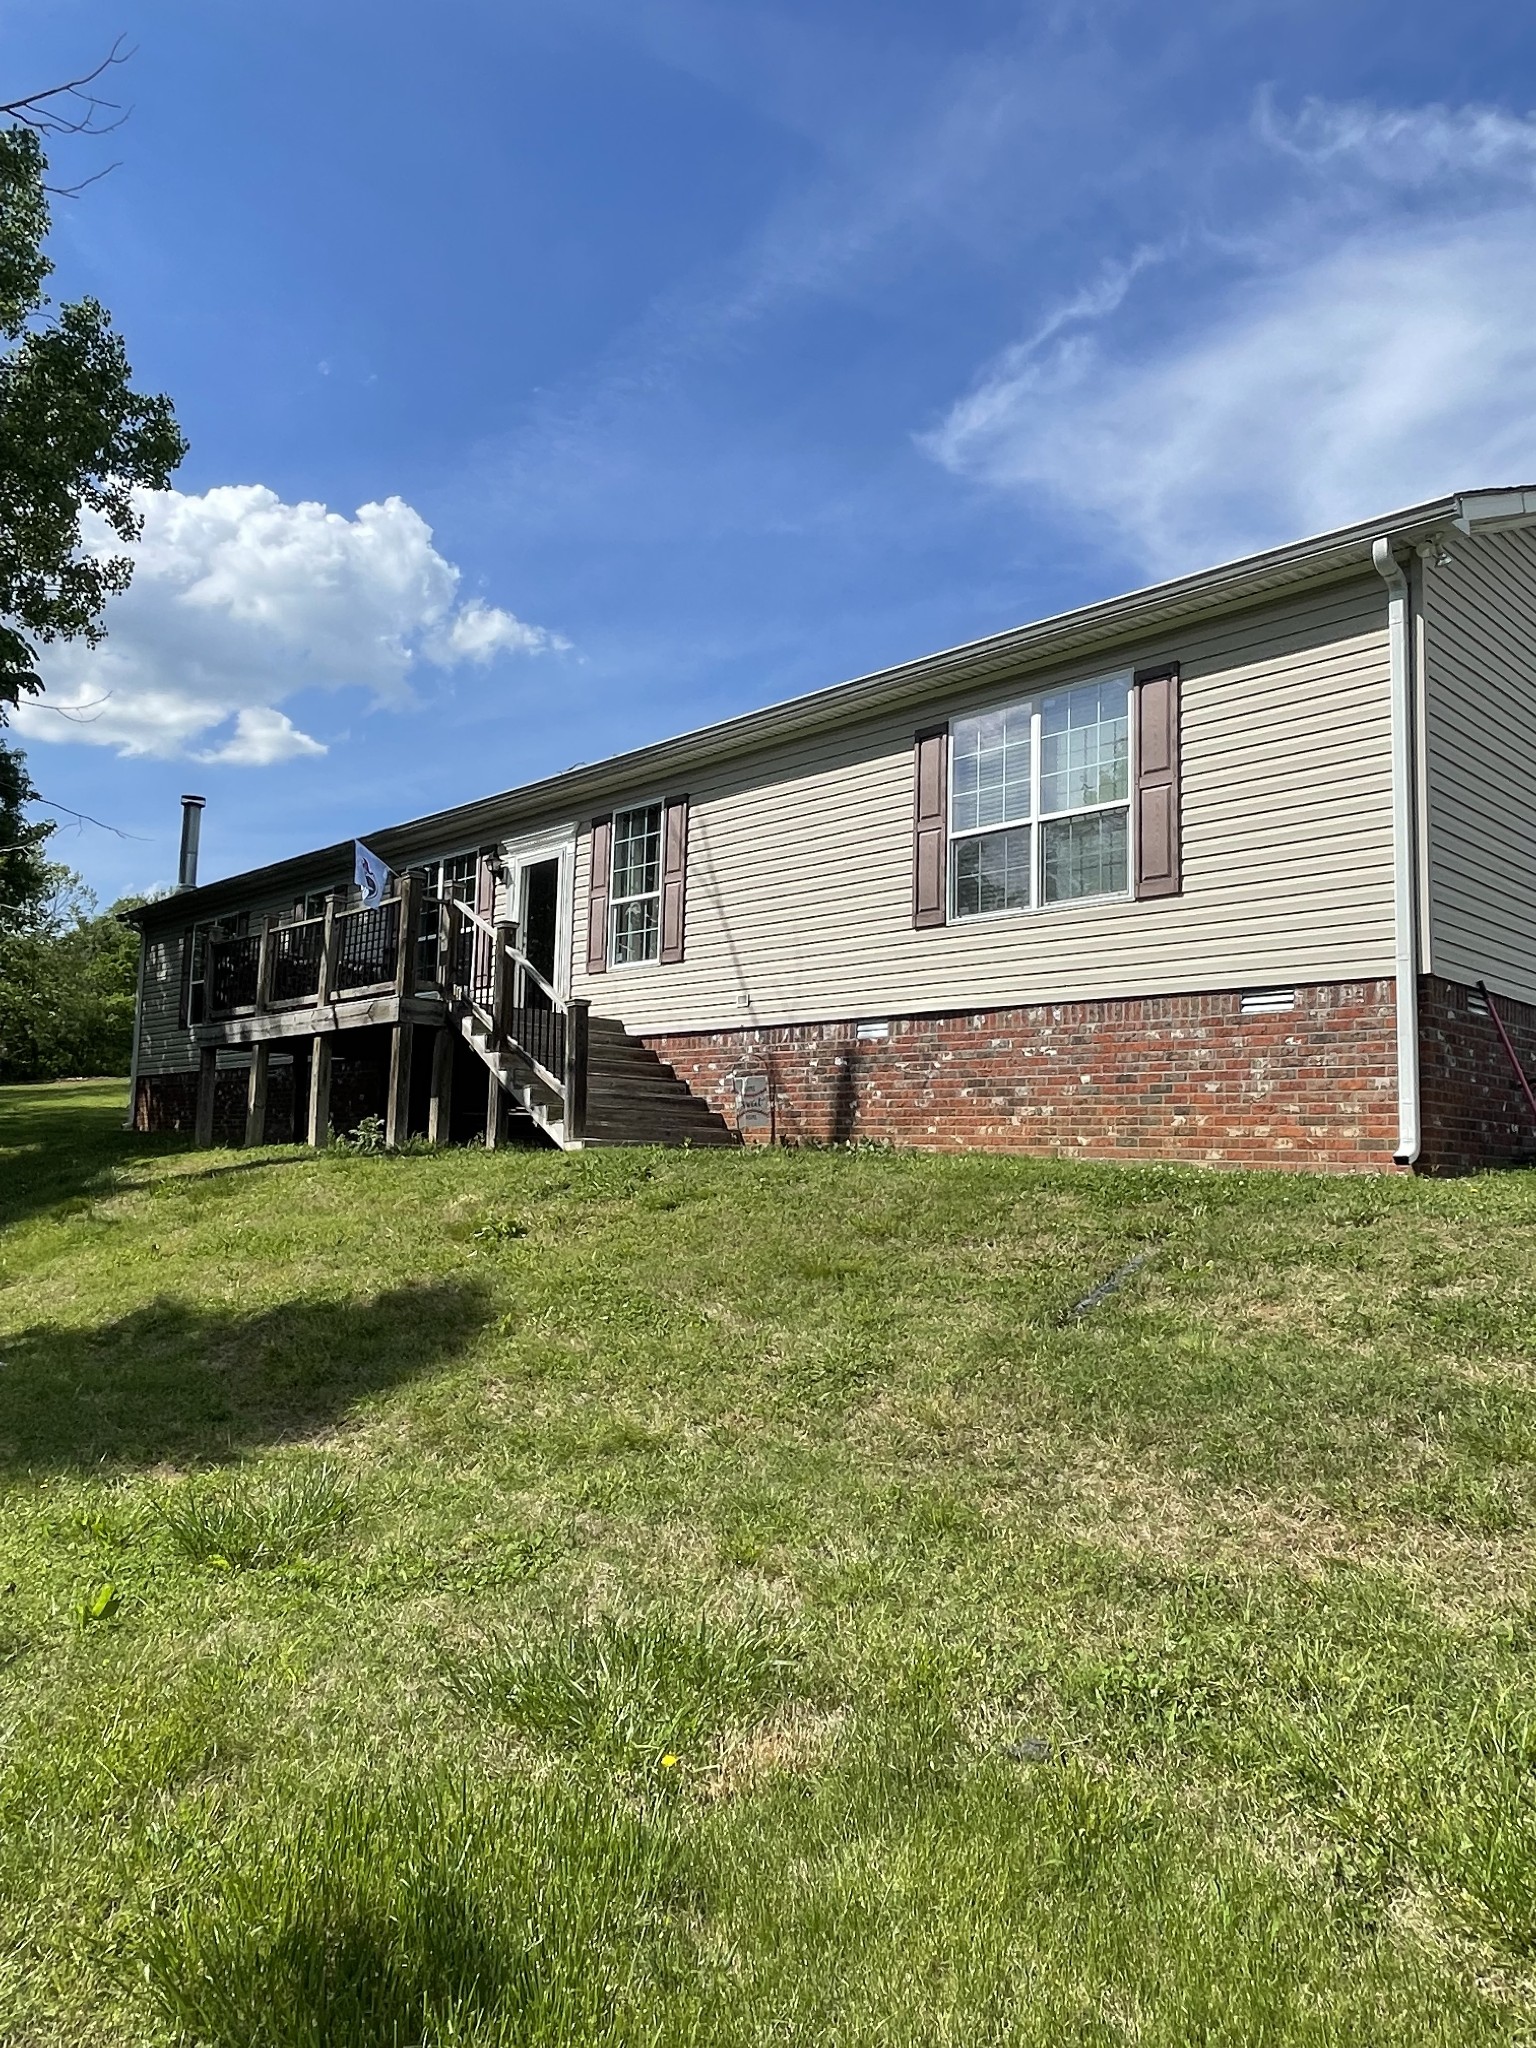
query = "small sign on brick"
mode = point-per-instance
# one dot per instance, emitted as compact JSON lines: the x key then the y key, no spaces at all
{"x":754,"y":1105}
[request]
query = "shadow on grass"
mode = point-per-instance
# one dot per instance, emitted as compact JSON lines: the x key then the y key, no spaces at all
{"x":187,"y":1384}
{"x":64,"y":1141}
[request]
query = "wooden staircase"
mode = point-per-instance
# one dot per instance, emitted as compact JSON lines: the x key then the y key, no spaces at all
{"x":582,"y":1080}
{"x":634,"y":1098}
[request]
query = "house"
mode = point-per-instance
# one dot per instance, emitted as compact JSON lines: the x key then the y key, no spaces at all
{"x":1240,"y":868}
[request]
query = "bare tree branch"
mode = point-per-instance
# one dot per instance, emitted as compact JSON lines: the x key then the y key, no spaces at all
{"x":85,"y":818}
{"x":68,"y":108}
{"x":72,"y":712}
{"x":74,"y":191}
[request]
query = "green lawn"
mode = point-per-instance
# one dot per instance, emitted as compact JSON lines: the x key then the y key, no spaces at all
{"x":646,"y":1598}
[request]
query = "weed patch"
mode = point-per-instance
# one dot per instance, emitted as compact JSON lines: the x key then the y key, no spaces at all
{"x":631,"y":1691}
{"x":242,"y":1521}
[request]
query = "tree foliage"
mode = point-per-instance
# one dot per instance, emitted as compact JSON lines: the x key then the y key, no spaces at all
{"x":24,"y":864}
{"x":75,"y":439}
{"x":68,"y":976}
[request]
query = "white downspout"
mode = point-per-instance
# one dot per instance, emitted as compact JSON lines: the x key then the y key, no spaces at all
{"x":1404,"y":873}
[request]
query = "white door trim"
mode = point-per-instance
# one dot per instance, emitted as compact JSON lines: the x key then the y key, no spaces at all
{"x":517,"y":856}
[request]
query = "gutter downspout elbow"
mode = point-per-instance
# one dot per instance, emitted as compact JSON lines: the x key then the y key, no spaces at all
{"x":1404,"y":874}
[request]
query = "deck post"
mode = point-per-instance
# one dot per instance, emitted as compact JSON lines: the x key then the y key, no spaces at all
{"x":256,"y":1093}
{"x":405,"y":935}
{"x":448,"y":948}
{"x":501,"y":981}
{"x":493,"y":1113}
{"x":397,"y":1108}
{"x":207,"y":1087}
{"x":577,"y":1017}
{"x":440,"y":1116}
{"x":320,"y":1090}
{"x":328,"y":936}
{"x":264,"y":966}
{"x":320,"y":1051}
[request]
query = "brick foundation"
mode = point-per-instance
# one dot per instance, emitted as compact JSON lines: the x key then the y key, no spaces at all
{"x":1474,"y":1111}
{"x":1158,"y":1077}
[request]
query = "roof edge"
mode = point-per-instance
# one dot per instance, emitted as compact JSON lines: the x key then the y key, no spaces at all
{"x":1249,"y":578}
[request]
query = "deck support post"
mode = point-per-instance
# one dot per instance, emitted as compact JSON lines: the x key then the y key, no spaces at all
{"x":397,"y":1109}
{"x":406,"y":932}
{"x":256,"y":1094}
{"x":207,"y":1086}
{"x":493,"y":1113}
{"x":320,"y":1091}
{"x":440,"y":1116}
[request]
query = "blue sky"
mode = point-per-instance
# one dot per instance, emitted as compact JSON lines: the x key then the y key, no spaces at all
{"x":560,"y":374}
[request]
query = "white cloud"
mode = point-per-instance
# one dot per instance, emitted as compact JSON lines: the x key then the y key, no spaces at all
{"x":477,"y":631}
{"x":1373,"y":350}
{"x":239,"y":601}
{"x":1409,"y":146}
{"x":261,"y":737}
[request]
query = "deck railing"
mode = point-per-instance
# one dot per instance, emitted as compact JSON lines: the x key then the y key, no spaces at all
{"x":449,"y":949}
{"x":281,"y":965}
{"x":482,"y":970}
{"x":233,"y":965}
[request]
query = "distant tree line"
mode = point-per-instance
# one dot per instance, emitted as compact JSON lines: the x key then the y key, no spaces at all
{"x":68,"y":973}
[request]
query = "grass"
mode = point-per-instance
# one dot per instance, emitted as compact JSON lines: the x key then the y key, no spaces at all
{"x":662,"y":1598}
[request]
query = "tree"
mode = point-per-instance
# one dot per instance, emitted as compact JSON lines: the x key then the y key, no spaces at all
{"x":67,"y":989}
{"x":68,"y":976}
{"x":25,"y":871}
{"x":75,"y":437}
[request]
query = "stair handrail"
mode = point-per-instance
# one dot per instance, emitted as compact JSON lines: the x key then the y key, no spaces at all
{"x":570,"y":1083}
{"x":518,"y":958}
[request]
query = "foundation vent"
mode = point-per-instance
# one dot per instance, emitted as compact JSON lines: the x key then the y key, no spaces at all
{"x":1477,"y":1006}
{"x":1267,"y":1002}
{"x":874,"y":1028}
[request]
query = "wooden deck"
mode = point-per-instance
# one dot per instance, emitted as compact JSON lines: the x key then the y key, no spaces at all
{"x":440,"y":964}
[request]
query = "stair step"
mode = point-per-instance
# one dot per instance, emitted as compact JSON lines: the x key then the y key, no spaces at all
{"x":633,"y":1096}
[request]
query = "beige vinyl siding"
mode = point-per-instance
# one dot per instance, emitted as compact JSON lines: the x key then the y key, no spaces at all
{"x":1480,"y":700}
{"x":800,"y":858}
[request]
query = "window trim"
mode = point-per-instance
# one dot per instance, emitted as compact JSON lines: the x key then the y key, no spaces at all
{"x":431,"y":871}
{"x":1037,"y":817}
{"x":659,"y":805}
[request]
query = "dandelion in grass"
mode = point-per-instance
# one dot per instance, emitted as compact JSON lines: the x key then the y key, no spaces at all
{"x":669,"y":1763}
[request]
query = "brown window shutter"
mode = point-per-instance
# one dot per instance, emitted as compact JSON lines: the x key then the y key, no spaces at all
{"x":674,"y":877}
{"x":597,"y":900}
{"x":184,"y":1005}
{"x":930,"y":827}
{"x":1158,"y":828}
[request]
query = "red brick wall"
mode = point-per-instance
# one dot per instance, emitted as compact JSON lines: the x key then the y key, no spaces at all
{"x":1160,"y":1077}
{"x":1474,"y":1110}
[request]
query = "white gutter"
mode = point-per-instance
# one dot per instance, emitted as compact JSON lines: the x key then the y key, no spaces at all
{"x":1404,"y":887}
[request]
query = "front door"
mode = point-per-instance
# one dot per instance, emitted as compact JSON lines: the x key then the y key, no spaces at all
{"x":540,"y":924}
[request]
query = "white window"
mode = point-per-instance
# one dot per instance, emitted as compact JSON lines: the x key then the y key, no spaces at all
{"x":1039,"y":800}
{"x":452,"y":880}
{"x":634,"y":913}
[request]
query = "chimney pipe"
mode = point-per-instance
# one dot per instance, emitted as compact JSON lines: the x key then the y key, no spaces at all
{"x":191,"y":827}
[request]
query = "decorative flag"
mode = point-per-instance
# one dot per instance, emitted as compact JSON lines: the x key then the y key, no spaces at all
{"x":370,"y":875}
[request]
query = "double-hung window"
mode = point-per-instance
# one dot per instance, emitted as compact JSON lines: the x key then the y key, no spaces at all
{"x":1039,"y":800}
{"x":634,"y":912}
